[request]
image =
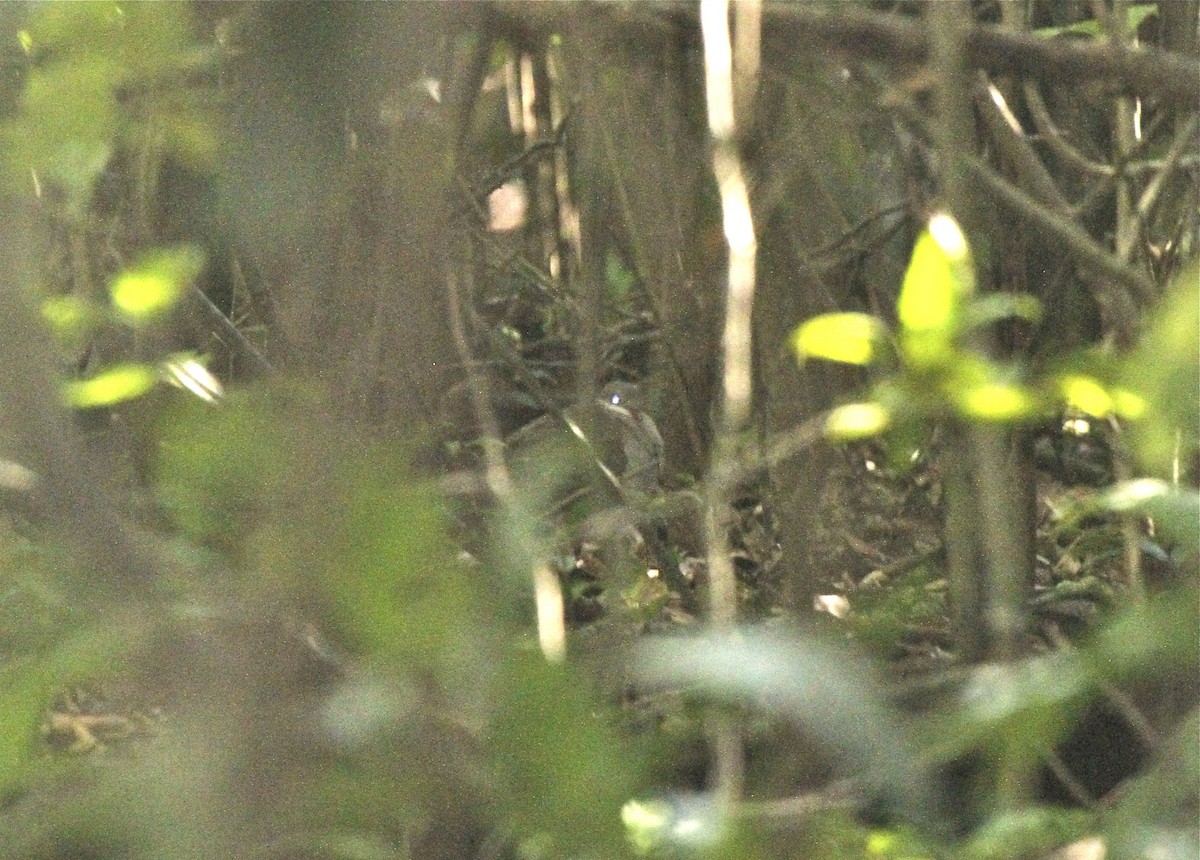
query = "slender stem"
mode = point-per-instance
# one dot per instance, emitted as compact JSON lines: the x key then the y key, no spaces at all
{"x":719,"y":64}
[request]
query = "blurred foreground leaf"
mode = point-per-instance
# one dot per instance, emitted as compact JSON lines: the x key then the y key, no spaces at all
{"x":565,"y":774}
{"x":1165,"y":371}
{"x":827,"y":691}
{"x":28,"y":683}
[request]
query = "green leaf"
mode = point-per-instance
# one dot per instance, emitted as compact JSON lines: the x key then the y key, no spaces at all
{"x":995,"y":400}
{"x":66,"y":128}
{"x":115,"y":385}
{"x":1165,"y":370}
{"x":1175,"y":511}
{"x":154,"y":285}
{"x":849,"y":338}
{"x":102,"y":73}
{"x":821,"y":686}
{"x":994,"y":307}
{"x":939,"y":277}
{"x":1020,"y":833}
{"x":27,"y":684}
{"x":1155,"y":815}
{"x":619,"y":279}
{"x":564,"y":773}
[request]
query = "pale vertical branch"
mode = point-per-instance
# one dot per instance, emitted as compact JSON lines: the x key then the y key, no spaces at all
{"x":735,"y":344}
{"x":547,"y":591}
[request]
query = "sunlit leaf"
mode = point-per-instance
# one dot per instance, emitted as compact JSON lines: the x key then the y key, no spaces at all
{"x":647,"y":823}
{"x":849,"y":338}
{"x":1129,"y":495}
{"x":154,"y":285}
{"x":938,"y":277}
{"x":894,"y":845}
{"x":857,"y":421}
{"x":995,"y":401}
{"x":1086,"y":395}
{"x":1129,"y":404}
{"x":115,"y":385}
{"x":1175,"y":511}
{"x":688,"y":824}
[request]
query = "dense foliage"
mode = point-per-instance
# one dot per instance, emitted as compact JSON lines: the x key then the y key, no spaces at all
{"x":315,"y":541}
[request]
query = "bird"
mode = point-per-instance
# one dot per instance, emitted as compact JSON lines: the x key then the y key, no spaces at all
{"x":604,"y":451}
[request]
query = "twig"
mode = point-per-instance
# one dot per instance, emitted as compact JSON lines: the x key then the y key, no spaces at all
{"x":1076,"y":789}
{"x":1103,"y":272}
{"x":548,"y":597}
{"x":1015,"y":151}
{"x":843,"y":794}
{"x":210,"y":316}
{"x":1141,"y":71}
{"x":1116,"y":697}
{"x":1054,"y":138}
{"x":1108,"y":273}
{"x":1179,"y":145}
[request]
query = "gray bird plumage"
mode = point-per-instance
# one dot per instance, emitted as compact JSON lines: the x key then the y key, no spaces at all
{"x":606,"y":447}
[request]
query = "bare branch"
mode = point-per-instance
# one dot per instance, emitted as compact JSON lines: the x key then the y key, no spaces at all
{"x":1139,"y":71}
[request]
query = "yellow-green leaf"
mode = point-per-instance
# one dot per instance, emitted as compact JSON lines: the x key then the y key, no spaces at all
{"x":849,"y":338}
{"x":115,"y":385}
{"x":647,"y":823}
{"x":996,"y":401}
{"x":856,"y":421}
{"x":154,"y":285}
{"x":1086,"y":395}
{"x":938,"y":277}
{"x":1128,"y":404}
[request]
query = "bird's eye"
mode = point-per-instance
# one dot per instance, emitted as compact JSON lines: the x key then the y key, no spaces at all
{"x":615,"y":398}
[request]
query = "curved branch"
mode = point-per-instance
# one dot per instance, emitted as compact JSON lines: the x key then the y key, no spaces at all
{"x":1143,"y":71}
